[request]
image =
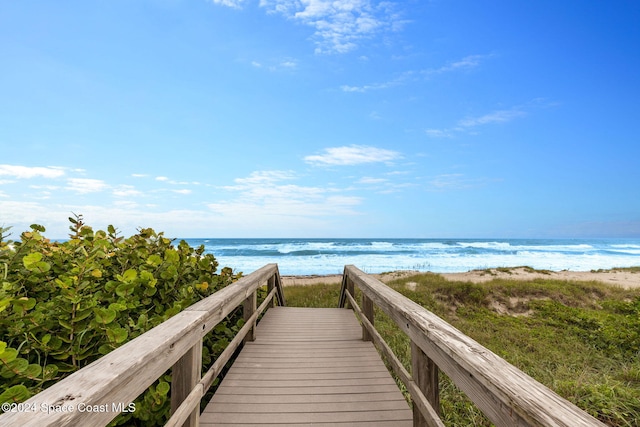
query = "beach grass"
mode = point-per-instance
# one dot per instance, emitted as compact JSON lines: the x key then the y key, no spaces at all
{"x":581,"y":339}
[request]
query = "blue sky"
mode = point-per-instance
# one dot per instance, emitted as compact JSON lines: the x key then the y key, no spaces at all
{"x":319,"y":118}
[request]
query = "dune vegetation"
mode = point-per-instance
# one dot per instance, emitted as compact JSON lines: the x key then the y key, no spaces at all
{"x":581,"y":339}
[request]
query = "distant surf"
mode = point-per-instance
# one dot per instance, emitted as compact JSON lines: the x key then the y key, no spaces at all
{"x":329,"y":256}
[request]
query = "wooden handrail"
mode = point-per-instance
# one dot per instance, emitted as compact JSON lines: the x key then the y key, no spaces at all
{"x":96,"y":394}
{"x":506,"y":395}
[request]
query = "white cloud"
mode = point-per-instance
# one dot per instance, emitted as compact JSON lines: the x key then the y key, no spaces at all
{"x":139,"y":175}
{"x":265,"y":177}
{"x":236,"y":4}
{"x":126,"y":191}
{"x":339,"y":25}
{"x":162,"y":178}
{"x":501,"y":116}
{"x":276,"y":64}
{"x":468,"y":124}
{"x":265,"y":197}
{"x":370,"y":180}
{"x":86,"y":185}
{"x":352,"y":155}
{"x":183,"y":191}
{"x":439,"y":133}
{"x":467,"y":63}
{"x":456,"y":181}
{"x":24,"y":172}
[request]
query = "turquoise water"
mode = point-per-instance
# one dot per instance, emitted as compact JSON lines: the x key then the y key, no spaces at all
{"x":329,"y":256}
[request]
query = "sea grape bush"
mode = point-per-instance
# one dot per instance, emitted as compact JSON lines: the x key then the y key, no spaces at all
{"x":65,"y":304}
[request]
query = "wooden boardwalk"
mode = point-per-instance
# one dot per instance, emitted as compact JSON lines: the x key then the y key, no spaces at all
{"x":308,"y":366}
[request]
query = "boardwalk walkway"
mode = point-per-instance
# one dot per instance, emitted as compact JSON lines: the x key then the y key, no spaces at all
{"x":308,"y":366}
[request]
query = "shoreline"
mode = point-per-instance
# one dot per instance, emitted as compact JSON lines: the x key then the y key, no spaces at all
{"x":615,"y":277}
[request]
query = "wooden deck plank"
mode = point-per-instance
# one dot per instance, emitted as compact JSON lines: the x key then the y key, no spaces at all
{"x":305,"y":417}
{"x":308,"y":398}
{"x":308,"y":366}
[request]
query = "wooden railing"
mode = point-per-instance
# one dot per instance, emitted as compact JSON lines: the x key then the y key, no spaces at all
{"x":96,"y":394}
{"x":506,"y":395}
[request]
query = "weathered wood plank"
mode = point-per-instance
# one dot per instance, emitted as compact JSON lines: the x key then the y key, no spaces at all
{"x":120,"y":376}
{"x":309,"y":398}
{"x":310,"y":389}
{"x":309,"y":407}
{"x":347,"y":424}
{"x":420,"y":402}
{"x":327,"y":374}
{"x":505,"y":394}
{"x":309,"y":417}
{"x":184,"y":377}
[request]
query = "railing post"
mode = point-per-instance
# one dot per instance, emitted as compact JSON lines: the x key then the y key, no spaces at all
{"x":248,"y":308}
{"x":185,"y":374}
{"x":367,"y":310}
{"x":351,"y":290}
{"x":271,"y":283}
{"x":425,"y":374}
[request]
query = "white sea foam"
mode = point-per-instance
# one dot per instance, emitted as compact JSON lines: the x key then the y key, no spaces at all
{"x":329,"y":256}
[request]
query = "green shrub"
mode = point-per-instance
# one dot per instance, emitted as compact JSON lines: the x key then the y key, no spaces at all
{"x":65,"y":304}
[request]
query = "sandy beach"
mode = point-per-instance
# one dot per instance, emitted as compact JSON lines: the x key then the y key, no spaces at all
{"x":622,"y":278}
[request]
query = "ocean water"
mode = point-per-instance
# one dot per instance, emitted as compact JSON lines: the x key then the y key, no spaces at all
{"x":329,"y":256}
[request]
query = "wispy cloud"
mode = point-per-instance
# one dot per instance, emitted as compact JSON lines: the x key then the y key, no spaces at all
{"x":455,"y":181}
{"x":500,"y":116}
{"x":236,"y":4}
{"x":289,"y":64}
{"x":86,"y":185}
{"x":26,"y":172}
{"x":439,"y":133}
{"x":265,"y":197}
{"x":469,"y":124}
{"x":126,"y":191}
{"x":466,"y":63}
{"x":339,"y":25}
{"x":370,"y":180}
{"x":352,"y":155}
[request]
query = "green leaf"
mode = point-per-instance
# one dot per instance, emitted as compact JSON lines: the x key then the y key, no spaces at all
{"x":129,"y":276}
{"x":163,"y":388}
{"x":65,"y":324}
{"x":32,"y":371}
{"x":17,"y":393}
{"x":105,"y":315}
{"x":104,"y":349}
{"x":3,"y":346}
{"x":125,"y":289}
{"x":117,"y":335}
{"x":8,"y":355}
{"x":117,"y":306}
{"x":4,"y":303}
{"x":30,"y":260}
{"x":49,"y":372}
{"x":111,"y":285}
{"x":15,"y":367}
{"x":82,"y":314}
{"x":154,"y":260}
{"x":45,"y":339}
{"x":55,"y":343}
{"x":38,"y":227}
{"x":43,"y":267}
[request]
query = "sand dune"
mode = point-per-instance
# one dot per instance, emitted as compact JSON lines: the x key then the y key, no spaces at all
{"x":622,"y":278}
